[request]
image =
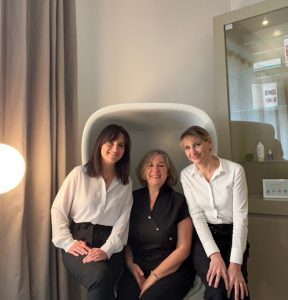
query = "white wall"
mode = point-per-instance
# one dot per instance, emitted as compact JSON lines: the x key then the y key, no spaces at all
{"x":149,"y":50}
{"x":235,"y":4}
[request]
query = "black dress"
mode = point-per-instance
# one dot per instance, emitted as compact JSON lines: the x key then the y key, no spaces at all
{"x":153,"y":237}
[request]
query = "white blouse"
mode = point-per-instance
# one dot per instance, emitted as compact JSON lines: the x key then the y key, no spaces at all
{"x":84,"y":199}
{"x":223,"y":200}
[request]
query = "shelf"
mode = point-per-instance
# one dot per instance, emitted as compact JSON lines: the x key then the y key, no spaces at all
{"x":262,"y":109}
{"x":259,"y":205}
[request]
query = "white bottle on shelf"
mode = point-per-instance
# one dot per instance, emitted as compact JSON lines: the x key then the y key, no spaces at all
{"x":260,"y":152}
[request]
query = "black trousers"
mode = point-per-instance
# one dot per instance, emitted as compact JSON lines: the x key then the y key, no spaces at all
{"x":172,"y":287}
{"x":99,"y":278}
{"x":222,"y":235}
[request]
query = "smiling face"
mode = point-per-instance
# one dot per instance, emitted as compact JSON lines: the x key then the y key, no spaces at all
{"x":112,"y":151}
{"x":196,"y":149}
{"x":156,"y":171}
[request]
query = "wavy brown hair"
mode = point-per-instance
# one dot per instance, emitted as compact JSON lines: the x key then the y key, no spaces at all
{"x":140,"y":170}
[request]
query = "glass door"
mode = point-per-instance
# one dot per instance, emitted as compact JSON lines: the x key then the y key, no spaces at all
{"x":256,"y":51}
{"x":251,"y":88}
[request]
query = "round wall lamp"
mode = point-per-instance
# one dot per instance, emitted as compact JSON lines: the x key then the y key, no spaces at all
{"x":12,"y":168}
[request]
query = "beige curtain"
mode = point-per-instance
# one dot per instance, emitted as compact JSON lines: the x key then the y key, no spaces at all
{"x":38,"y":90}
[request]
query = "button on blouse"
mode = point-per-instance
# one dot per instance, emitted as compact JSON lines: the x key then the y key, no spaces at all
{"x":223,"y":200}
{"x":153,"y":233}
{"x":85,"y":199}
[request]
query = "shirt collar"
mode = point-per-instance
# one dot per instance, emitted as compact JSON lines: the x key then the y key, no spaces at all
{"x":222,"y":168}
{"x":112,"y":185}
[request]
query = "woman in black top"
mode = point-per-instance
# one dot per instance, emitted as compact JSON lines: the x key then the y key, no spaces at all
{"x":159,"y":236}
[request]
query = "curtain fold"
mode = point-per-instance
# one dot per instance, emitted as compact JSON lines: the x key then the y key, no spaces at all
{"x":38,"y":90}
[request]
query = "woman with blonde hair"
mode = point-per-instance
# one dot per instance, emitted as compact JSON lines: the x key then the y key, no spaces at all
{"x":216,"y":193}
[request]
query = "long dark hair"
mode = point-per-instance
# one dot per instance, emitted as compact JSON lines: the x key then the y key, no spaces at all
{"x":122,"y":167}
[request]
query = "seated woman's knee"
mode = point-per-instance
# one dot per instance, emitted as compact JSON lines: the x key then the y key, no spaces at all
{"x":100,"y":274}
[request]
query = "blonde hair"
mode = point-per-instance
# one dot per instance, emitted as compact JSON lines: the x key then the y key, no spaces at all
{"x":195,"y":131}
{"x":172,"y":177}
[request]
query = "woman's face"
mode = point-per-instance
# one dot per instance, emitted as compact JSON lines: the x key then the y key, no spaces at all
{"x":156,"y":171}
{"x":113,"y":151}
{"x":196,"y":149}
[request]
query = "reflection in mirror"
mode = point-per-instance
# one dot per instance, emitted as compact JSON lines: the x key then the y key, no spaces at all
{"x":245,"y":137}
{"x":257,"y":60}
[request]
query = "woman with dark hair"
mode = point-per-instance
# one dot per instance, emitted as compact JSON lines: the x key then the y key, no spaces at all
{"x":159,"y":236}
{"x":216,"y":193}
{"x":90,"y":214}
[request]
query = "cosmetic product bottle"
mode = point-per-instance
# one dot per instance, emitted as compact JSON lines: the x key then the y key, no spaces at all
{"x":260,"y":152}
{"x":270,"y":155}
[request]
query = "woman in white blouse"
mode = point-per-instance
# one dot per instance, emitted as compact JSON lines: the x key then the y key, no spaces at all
{"x":90,"y":214}
{"x":216,"y":193}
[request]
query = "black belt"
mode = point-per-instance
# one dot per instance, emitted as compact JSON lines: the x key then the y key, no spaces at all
{"x":224,"y":227}
{"x":221,"y":229}
{"x":94,"y":235}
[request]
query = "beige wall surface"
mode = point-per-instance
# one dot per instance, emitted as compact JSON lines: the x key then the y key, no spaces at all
{"x":145,"y":51}
{"x":235,"y":4}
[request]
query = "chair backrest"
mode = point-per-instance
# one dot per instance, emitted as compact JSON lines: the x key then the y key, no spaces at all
{"x":150,"y":125}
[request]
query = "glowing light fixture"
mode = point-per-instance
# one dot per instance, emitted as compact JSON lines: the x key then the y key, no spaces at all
{"x":265,"y":21}
{"x":277,"y":33}
{"x":12,"y":168}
